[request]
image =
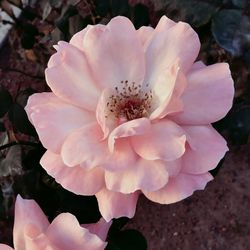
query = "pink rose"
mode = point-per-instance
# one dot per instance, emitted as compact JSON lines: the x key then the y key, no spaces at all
{"x":130,"y":113}
{"x":32,"y":230}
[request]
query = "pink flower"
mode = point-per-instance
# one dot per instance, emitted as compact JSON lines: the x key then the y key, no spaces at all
{"x":32,"y":230}
{"x":130,"y":113}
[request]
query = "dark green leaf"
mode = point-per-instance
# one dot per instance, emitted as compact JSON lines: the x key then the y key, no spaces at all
{"x":23,"y":96}
{"x":20,"y":121}
{"x":5,"y":101}
{"x":119,"y":7}
{"x":141,"y":16}
{"x":231,"y":30}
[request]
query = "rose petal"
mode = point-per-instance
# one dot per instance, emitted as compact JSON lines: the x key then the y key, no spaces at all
{"x":100,"y":228}
{"x":208,"y":96}
{"x":5,"y":247}
{"x":115,"y":53}
{"x":66,"y":233}
{"x":127,"y":129}
{"x":180,"y":42}
{"x":115,"y":205}
{"x":164,"y":141}
{"x":143,"y":175}
{"x":27,"y":212}
{"x":179,"y":188}
{"x":52,"y":116}
{"x":77,"y":179}
{"x":71,"y":78}
{"x":85,"y":146}
{"x":206,"y":148}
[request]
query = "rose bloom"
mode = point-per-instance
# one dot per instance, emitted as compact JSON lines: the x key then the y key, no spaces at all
{"x":32,"y":230}
{"x":130,"y":112}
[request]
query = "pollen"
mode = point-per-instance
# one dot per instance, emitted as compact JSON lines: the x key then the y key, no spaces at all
{"x":130,"y":101}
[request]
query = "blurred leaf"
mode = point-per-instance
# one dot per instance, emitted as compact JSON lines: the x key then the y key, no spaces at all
{"x":119,"y":7}
{"x":46,"y":10}
{"x":244,"y":4}
{"x":102,"y":7}
{"x":12,"y":163}
{"x":4,"y":138}
{"x":6,"y":7}
{"x":62,"y":22}
{"x":16,"y":3}
{"x":127,"y":240}
{"x":5,"y":101}
{"x":231,"y":30}
{"x":2,"y":127}
{"x":20,"y":121}
{"x":23,"y":95}
{"x":56,"y":3}
{"x":240,"y":126}
{"x":194,"y":12}
{"x":75,"y":24}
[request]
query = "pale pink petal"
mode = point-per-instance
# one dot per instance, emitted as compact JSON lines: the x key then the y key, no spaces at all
{"x":180,"y":42}
{"x":179,"y":188}
{"x":167,"y":90}
{"x":78,"y":38}
{"x":100,"y":228}
{"x":115,"y":205}
{"x":127,"y":129}
{"x":85,"y":146}
{"x":208,"y":96}
{"x":143,"y":175}
{"x":165,"y":141}
{"x":66,"y":233}
{"x":27,"y":212}
{"x":76,"y":179}
{"x":206,"y":148}
{"x":5,"y":247}
{"x":145,"y":34}
{"x":106,"y":120}
{"x":123,"y":156}
{"x":115,"y":53}
{"x":71,"y":78}
{"x":54,"y":119}
{"x":198,"y":65}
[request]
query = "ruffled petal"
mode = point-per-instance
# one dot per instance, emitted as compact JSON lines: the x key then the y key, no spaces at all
{"x":165,"y":141}
{"x":179,"y":188}
{"x":85,"y":146}
{"x":115,"y":205}
{"x":66,"y":233}
{"x":206,"y":148}
{"x":5,"y":247}
{"x":70,"y":77}
{"x":75,"y":179}
{"x":100,"y":228}
{"x":52,"y":116}
{"x":127,"y":129}
{"x":179,"y":42}
{"x":78,"y":38}
{"x":27,"y":212}
{"x":208,"y":96}
{"x":143,"y":175}
{"x":115,"y":53}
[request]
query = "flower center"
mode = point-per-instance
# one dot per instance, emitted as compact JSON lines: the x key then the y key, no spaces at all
{"x":130,"y":101}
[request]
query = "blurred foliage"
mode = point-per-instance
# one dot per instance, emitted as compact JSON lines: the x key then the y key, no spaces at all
{"x":224,"y":30}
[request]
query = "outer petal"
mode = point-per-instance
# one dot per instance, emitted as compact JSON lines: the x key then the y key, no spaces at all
{"x":145,"y":34}
{"x":206,"y":148}
{"x":78,"y":39}
{"x":5,"y":247}
{"x":127,"y":129}
{"x":115,"y":205}
{"x":179,"y":188}
{"x":85,"y":146}
{"x":52,"y":116}
{"x":70,"y":78}
{"x":144,"y":175}
{"x":27,"y":212}
{"x":115,"y":53}
{"x":208,"y":96}
{"x":66,"y":233}
{"x":180,"y":42}
{"x":78,"y":180}
{"x":165,"y":141}
{"x":100,"y":228}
